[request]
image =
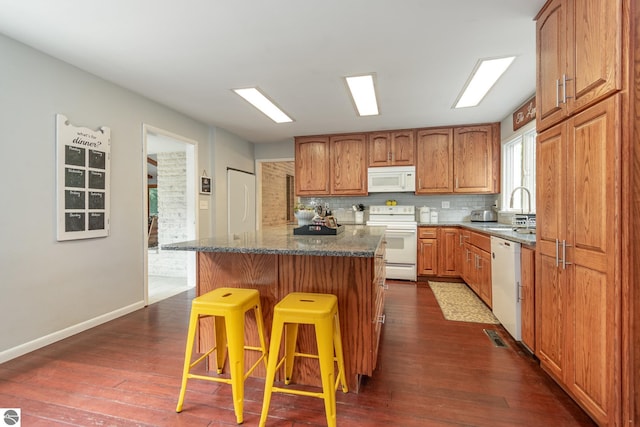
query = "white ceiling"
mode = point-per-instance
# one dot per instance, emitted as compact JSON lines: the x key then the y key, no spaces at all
{"x":189,"y":54}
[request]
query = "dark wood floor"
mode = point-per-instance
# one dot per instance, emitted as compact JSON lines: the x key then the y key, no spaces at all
{"x":431,"y":372}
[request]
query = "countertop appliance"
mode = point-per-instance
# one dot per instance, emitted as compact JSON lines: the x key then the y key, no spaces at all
{"x":402,"y":239}
{"x":392,"y":179}
{"x":505,"y":284}
{"x":484,"y":215}
{"x":425,"y":214}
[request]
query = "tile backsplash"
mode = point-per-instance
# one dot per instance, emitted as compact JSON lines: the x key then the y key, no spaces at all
{"x":460,"y":205}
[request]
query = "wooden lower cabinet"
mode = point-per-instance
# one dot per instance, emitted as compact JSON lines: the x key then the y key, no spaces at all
{"x":427,"y":251}
{"x":438,"y":252}
{"x":483,"y":264}
{"x":448,"y":242}
{"x":527,"y":296}
{"x":578,"y":295}
{"x":476,"y":264}
{"x":379,"y":286}
{"x":357,"y":282}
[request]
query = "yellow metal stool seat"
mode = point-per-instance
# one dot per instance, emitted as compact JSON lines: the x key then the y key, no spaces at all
{"x":320,"y":310}
{"x":228,"y":306}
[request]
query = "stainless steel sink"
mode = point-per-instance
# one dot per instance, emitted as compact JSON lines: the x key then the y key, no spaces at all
{"x":525,"y":230}
{"x":519,"y":230}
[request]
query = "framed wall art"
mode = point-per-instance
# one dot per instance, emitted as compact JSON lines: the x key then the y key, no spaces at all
{"x":83,"y":160}
{"x":205,"y":185}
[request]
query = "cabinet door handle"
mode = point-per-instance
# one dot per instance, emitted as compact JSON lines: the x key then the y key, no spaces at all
{"x":564,"y":255}
{"x":557,"y":93}
{"x":557,"y":250}
{"x":381,"y":319}
{"x":564,"y":88}
{"x":456,"y":182}
{"x":389,"y":155}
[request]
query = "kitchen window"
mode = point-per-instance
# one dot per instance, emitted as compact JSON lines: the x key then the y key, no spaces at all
{"x":519,"y":170}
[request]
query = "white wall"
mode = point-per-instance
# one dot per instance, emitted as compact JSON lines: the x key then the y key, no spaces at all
{"x":45,"y":285}
{"x":275,"y":150}
{"x":233,"y":152}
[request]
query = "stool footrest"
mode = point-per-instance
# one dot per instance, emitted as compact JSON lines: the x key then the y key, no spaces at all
{"x":207,"y":378}
{"x":255,"y":365}
{"x":308,"y":355}
{"x":201,"y":358}
{"x":299,"y":392}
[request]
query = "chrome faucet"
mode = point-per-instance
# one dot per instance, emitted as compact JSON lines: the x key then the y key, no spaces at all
{"x":528,"y":198}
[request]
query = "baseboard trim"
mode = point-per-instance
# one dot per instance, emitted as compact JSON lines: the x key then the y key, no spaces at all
{"x":30,"y":346}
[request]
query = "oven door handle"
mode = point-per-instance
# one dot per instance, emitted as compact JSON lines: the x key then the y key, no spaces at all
{"x":400,"y":231}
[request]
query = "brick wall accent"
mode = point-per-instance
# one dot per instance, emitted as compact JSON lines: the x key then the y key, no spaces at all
{"x":274,"y":192}
{"x":172,"y":215}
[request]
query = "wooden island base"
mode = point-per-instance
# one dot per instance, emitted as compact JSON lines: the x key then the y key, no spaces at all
{"x":358,"y":282}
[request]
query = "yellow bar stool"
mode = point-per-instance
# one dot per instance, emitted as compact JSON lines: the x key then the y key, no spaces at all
{"x":228,"y":306}
{"x":320,"y":310}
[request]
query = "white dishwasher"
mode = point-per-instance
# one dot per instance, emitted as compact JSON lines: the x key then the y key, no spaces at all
{"x":505,"y":284}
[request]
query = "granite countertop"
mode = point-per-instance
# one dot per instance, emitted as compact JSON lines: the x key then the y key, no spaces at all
{"x":354,"y":241}
{"x":504,"y":231}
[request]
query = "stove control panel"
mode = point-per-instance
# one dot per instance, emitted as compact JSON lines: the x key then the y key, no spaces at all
{"x":392,"y":210}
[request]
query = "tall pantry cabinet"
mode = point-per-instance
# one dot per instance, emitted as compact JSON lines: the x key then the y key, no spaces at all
{"x":579,"y":177}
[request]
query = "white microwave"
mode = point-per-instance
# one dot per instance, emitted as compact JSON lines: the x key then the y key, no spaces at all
{"x":392,"y":179}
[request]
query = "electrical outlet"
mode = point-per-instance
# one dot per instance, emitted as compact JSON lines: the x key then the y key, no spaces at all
{"x":445,"y":205}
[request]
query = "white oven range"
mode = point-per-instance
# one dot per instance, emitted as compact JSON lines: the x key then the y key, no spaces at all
{"x":401,"y":237}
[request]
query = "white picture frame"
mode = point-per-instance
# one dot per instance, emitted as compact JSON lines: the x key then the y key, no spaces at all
{"x":205,"y":184}
{"x":83,"y":178}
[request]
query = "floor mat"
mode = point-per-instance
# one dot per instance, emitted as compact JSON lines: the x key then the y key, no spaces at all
{"x":459,"y":303}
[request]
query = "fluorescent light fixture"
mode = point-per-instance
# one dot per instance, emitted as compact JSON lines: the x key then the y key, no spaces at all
{"x":485,"y":74}
{"x":363,"y":94}
{"x":262,"y":103}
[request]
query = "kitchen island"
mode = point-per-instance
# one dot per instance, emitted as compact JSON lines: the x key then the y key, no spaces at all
{"x":276,"y":262}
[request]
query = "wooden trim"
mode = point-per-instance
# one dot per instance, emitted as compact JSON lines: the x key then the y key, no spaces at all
{"x":630,"y":222}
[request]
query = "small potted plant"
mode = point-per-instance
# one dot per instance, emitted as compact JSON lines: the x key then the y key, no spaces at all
{"x":304,"y":214}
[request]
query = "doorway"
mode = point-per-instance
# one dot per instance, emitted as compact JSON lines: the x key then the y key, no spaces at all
{"x":275,"y":192}
{"x":170,"y":213}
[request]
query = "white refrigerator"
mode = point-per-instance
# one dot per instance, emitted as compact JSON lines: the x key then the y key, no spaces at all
{"x":241,"y":201}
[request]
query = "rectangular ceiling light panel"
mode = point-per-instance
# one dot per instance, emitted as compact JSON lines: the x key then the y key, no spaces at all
{"x":363,"y":93}
{"x":485,"y":74}
{"x":262,"y":103}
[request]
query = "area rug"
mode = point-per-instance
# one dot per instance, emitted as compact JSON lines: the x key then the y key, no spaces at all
{"x":460,"y":304}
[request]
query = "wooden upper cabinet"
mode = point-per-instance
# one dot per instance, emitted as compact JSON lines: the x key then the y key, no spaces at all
{"x":551,"y":42}
{"x":348,"y":164}
{"x":395,"y":148}
{"x":379,"y":149}
{"x":579,"y":58}
{"x":448,"y":160}
{"x":476,"y":155}
{"x":312,"y":165}
{"x":434,"y":161}
{"x":403,"y":148}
